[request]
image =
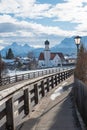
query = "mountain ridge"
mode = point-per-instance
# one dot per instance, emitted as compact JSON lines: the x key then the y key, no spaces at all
{"x":18,"y":50}
{"x":67,"y":46}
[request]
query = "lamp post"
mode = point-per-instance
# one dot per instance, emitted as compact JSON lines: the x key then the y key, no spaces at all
{"x":77,"y":42}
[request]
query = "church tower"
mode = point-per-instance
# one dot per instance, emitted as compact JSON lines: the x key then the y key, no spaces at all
{"x":47,"y":54}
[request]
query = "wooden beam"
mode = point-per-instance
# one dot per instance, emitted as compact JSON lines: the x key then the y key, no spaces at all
{"x":10,"y":115}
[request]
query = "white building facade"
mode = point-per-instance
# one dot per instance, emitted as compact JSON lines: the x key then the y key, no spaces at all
{"x":47,"y":54}
{"x":50,"y":59}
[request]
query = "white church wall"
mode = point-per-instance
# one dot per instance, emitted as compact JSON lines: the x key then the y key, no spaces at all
{"x":47,"y":58}
{"x":41,"y":63}
{"x":56,"y":61}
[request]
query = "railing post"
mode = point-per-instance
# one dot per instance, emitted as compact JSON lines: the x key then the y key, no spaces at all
{"x":42,"y":73}
{"x":9,"y":79}
{"x":64,"y":75}
{"x":48,"y":85}
{"x":26,"y":101}
{"x":43,"y":89}
{"x":52,"y":81}
{"x":56,"y":80}
{"x":38,"y":73}
{"x":58,"y":77}
{"x":16,"y":79}
{"x":46,"y":72}
{"x":33,"y":74}
{"x":1,"y":82}
{"x":22,"y":76}
{"x":67,"y":73}
{"x":36,"y":94}
{"x":28,"y":75}
{"x":10,"y":115}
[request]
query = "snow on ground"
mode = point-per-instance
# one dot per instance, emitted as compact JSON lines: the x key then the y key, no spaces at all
{"x":58,"y":91}
{"x":16,"y":72}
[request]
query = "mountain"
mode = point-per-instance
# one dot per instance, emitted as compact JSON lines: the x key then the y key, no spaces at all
{"x":37,"y":51}
{"x":18,"y":50}
{"x":67,"y":46}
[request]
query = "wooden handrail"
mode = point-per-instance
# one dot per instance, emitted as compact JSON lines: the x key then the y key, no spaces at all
{"x":31,"y":75}
{"x":17,"y":102}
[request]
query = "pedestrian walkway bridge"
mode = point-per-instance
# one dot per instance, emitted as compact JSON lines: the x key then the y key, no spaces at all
{"x":55,"y":112}
{"x":18,"y":101}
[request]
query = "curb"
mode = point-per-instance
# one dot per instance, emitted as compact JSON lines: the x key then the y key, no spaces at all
{"x":82,"y":124}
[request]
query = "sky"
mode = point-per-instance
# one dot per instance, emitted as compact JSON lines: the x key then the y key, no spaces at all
{"x":34,"y":21}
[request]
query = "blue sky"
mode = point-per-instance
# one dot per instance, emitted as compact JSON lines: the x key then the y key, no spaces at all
{"x":34,"y":21}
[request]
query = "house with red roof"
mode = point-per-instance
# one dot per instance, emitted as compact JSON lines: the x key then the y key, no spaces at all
{"x":50,"y":59}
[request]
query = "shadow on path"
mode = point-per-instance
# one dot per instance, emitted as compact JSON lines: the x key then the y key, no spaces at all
{"x":59,"y":114}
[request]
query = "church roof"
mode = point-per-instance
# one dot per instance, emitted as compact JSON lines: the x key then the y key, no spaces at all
{"x":46,"y":42}
{"x":41,"y":56}
{"x":52,"y":55}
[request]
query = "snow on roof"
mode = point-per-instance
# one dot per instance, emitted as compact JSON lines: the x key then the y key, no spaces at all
{"x":52,"y":55}
{"x":8,"y":60}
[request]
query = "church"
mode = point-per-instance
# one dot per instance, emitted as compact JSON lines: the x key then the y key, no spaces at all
{"x":50,"y":59}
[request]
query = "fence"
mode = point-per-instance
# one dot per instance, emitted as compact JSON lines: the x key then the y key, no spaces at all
{"x":16,"y":103}
{"x":80,"y":98}
{"x":21,"y":77}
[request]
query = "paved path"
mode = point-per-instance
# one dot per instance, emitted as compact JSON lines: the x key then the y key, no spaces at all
{"x":54,"y":113}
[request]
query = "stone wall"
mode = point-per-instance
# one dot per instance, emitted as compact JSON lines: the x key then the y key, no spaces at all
{"x":80,"y":98}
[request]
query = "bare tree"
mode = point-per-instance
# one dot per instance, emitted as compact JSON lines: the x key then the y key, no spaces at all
{"x":81,"y":65}
{"x":31,"y":55}
{"x":2,"y":67}
{"x":33,"y":63}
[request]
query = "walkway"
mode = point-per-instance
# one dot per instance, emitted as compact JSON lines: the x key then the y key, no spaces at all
{"x":55,"y":112}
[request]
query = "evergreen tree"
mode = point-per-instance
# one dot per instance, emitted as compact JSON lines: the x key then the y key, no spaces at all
{"x":9,"y":54}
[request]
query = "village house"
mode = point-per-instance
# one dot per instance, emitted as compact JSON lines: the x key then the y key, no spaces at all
{"x":50,"y":59}
{"x":70,"y":60}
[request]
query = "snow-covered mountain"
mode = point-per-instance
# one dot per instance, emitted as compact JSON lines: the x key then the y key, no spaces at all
{"x":37,"y":51}
{"x":17,"y":49}
{"x":67,"y":46}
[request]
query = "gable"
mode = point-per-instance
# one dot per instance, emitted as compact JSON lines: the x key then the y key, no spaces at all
{"x":57,"y":57}
{"x":52,"y":55}
{"x":41,"y":56}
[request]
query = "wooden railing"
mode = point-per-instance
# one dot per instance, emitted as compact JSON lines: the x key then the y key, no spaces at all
{"x":16,"y":78}
{"x":17,"y":102}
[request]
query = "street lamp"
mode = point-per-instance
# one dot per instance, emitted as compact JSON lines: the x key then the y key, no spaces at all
{"x":77,"y":42}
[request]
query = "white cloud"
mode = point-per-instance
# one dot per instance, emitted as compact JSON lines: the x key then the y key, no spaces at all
{"x":12,"y":27}
{"x":8,"y":6}
{"x":71,"y":11}
{"x":7,"y":18}
{"x":24,"y":8}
